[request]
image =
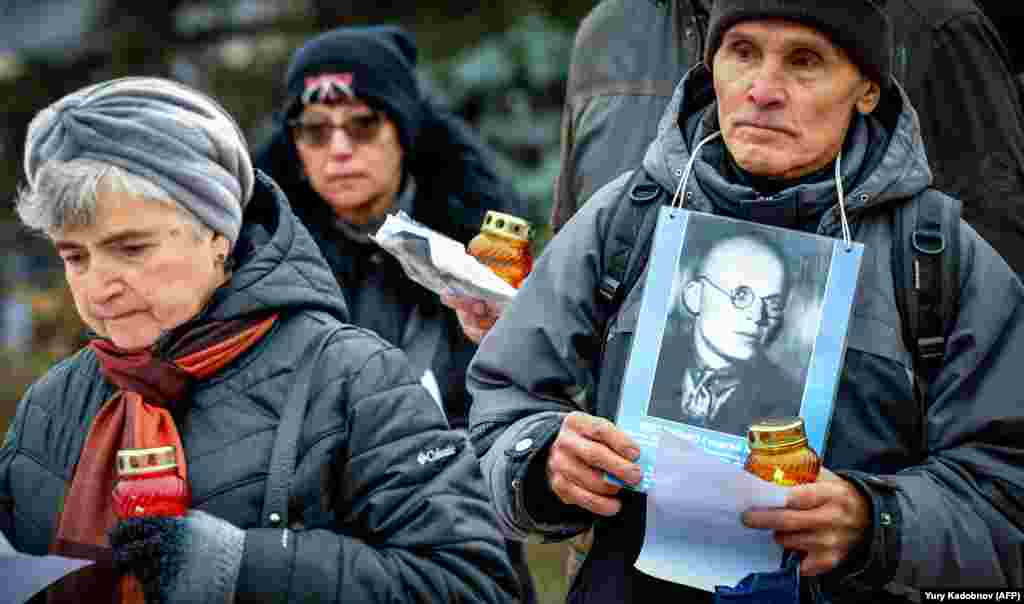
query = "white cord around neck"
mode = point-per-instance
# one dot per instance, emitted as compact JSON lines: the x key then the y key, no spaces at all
{"x":842,"y":201}
{"x":677,"y":199}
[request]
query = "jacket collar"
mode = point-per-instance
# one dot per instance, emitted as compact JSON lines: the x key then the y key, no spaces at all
{"x":278,"y":265}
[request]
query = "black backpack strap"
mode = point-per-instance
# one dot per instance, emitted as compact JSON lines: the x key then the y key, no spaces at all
{"x":284,"y":457}
{"x":926,"y":274}
{"x":625,"y":252}
{"x":629,"y":237}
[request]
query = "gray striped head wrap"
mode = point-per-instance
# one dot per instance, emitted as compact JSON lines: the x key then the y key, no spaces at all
{"x":176,"y":137}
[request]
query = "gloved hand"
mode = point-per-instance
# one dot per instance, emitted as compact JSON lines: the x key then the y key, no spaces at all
{"x":194,"y":558}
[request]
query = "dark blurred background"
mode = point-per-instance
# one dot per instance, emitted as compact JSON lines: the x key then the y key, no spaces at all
{"x":500,"y":65}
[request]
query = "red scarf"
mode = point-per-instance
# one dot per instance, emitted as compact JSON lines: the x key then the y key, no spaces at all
{"x":137,"y":416}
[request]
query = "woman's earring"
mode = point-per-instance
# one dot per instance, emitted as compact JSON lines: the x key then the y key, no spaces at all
{"x":225,"y":262}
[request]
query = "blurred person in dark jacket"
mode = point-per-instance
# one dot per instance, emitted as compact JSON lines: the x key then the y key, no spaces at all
{"x":949,"y":57}
{"x":319,"y":468}
{"x":1008,"y":17}
{"x":357,"y":140}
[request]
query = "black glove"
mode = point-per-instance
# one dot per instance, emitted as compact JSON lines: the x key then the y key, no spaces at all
{"x":194,"y":558}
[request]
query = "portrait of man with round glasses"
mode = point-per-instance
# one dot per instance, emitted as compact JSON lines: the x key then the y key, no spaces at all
{"x":723,"y":360}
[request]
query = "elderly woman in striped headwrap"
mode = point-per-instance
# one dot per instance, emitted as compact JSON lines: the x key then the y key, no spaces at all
{"x":319,"y":468}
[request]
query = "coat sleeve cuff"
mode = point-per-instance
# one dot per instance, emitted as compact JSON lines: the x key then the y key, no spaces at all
{"x":875,"y":561}
{"x":557,"y":520}
{"x":267,"y":564}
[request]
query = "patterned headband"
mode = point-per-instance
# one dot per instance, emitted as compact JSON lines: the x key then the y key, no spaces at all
{"x":327,"y":87}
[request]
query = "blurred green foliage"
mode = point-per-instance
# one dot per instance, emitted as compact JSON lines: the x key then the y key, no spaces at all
{"x":56,"y":333}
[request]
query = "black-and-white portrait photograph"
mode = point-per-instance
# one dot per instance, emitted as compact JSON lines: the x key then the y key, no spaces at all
{"x":745,"y":310}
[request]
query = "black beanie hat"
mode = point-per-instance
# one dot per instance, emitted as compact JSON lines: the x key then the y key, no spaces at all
{"x":377,"y":63}
{"x":859,"y":27}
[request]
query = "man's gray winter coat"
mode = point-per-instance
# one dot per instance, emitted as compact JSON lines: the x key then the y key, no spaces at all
{"x":945,"y":481}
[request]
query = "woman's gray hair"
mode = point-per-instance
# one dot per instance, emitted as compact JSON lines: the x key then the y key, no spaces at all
{"x":64,"y":195}
{"x":173,"y":136}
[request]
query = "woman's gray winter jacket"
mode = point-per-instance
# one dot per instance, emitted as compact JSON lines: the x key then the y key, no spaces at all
{"x":386,"y":503}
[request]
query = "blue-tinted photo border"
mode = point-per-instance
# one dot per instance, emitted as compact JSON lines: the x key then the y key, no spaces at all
{"x":638,"y":382}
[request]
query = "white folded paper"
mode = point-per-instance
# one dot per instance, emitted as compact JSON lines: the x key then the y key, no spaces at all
{"x":440,"y":263}
{"x":25,"y":575}
{"x":694,"y":535}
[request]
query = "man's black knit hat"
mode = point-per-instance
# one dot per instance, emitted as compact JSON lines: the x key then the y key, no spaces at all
{"x":859,"y":27}
{"x":375,"y":63}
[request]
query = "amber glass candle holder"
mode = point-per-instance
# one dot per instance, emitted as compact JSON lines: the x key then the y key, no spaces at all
{"x":148,"y":484}
{"x":503,"y":245}
{"x":779,"y":452}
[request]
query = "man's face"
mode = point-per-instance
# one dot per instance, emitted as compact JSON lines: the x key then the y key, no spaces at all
{"x":738,"y":299}
{"x":786,"y":96}
{"x":140,"y":269}
{"x":357,"y":171}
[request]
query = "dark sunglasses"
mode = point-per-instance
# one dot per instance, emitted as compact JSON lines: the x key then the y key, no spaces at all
{"x":360,"y":129}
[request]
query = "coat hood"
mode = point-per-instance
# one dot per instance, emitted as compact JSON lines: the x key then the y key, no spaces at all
{"x":278,"y":266}
{"x":900,"y":172}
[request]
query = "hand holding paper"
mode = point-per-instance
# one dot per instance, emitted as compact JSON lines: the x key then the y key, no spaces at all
{"x":694,"y":535}
{"x":826,"y":519}
{"x":439,"y":263}
{"x":585,"y":449}
{"x":476,"y":316}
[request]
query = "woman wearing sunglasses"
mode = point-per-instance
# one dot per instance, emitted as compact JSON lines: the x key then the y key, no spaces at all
{"x":356,"y":140}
